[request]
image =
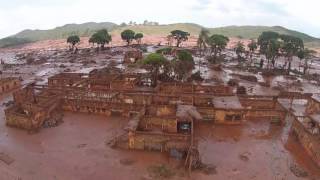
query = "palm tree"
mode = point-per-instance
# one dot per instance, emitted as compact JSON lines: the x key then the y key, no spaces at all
{"x":202,"y":44}
{"x":202,"y":40}
{"x":239,"y":50}
{"x":253,"y":46}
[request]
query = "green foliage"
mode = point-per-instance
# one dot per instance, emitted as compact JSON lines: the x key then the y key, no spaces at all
{"x":13,"y":41}
{"x":155,"y":59}
{"x":185,"y":55}
{"x":183,"y":64}
{"x":264,"y":40}
{"x":272,"y":51}
{"x":74,"y":39}
{"x":166,"y":50}
{"x":217,"y":43}
{"x":202,"y":40}
{"x":63,"y":32}
{"x":269,"y":43}
{"x":253,"y":45}
{"x":138,"y":37}
{"x":87,"y":29}
{"x":180,"y":36}
{"x":101,"y":38}
{"x":240,"y":49}
{"x":253,"y":32}
{"x":154,"y":62}
{"x":128,"y":35}
{"x":291,"y":45}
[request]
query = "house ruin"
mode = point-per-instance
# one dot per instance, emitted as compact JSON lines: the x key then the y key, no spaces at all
{"x":160,"y":118}
{"x":9,"y":84}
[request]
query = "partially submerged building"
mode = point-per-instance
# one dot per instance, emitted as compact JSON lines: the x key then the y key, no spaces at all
{"x":160,"y":118}
{"x":306,"y":123}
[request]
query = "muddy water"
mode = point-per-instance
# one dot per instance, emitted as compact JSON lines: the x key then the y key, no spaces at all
{"x":256,"y":150}
{"x":77,"y":150}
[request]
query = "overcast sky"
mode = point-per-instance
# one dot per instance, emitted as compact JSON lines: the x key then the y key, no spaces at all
{"x":301,"y":15}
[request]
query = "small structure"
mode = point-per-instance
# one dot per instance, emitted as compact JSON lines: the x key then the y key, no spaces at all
{"x":228,"y":110}
{"x":306,"y":122}
{"x":30,"y":111}
{"x":161,"y":118}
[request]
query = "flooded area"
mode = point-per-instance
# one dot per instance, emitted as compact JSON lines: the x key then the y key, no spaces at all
{"x":78,"y":149}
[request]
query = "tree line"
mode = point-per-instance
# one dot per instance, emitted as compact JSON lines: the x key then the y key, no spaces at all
{"x":102,"y":37}
{"x":270,"y":44}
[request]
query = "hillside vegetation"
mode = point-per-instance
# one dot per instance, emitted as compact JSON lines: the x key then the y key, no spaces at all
{"x":87,"y":29}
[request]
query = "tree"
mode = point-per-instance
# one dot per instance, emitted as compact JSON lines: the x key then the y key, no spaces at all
{"x":272,"y":51}
{"x":239,"y":49}
{"x":138,"y":37}
{"x":123,"y":24}
{"x":170,"y":40}
{"x":183,"y":64}
{"x":305,"y":54}
{"x":268,"y":43}
{"x":101,"y":38}
{"x":180,"y":36}
{"x":217,"y":43}
{"x":128,"y":35}
{"x":202,"y":40}
{"x":253,"y":46}
{"x":155,"y":61}
{"x":290,"y":47}
{"x":73,"y":40}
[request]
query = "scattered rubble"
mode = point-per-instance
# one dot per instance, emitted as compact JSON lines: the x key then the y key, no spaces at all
{"x":6,"y":158}
{"x":297,"y":171}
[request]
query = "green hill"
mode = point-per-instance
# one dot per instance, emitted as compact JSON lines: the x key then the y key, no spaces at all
{"x":250,"y":32}
{"x":86,"y":29}
{"x":193,"y":29}
{"x":27,"y":36}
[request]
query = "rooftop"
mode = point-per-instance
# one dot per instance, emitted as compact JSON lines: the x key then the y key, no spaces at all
{"x":227,"y":102}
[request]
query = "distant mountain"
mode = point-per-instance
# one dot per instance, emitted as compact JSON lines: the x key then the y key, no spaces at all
{"x":27,"y":36}
{"x":253,"y":32}
{"x":86,"y":29}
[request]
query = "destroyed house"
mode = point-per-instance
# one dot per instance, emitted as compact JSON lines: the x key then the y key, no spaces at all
{"x":8,"y":84}
{"x":307,"y":131}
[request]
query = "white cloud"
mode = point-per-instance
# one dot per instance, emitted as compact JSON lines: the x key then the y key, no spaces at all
{"x":16,"y":15}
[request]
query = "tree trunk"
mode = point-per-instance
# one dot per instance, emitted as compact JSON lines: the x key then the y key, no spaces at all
{"x":305,"y":67}
{"x":289,"y":64}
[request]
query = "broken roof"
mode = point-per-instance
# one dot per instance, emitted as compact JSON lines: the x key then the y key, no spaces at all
{"x":227,"y":102}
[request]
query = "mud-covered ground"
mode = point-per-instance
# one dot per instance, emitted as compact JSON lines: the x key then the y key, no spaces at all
{"x":78,"y":149}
